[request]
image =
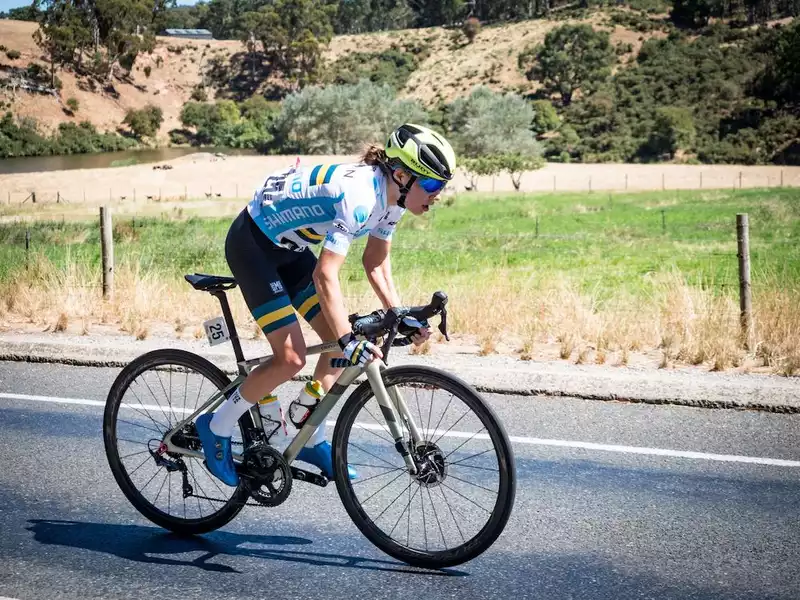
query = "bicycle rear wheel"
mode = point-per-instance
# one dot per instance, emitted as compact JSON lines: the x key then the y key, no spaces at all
{"x":148,"y":398}
{"x":455,"y":508}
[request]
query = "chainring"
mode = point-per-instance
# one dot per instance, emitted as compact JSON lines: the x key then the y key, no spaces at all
{"x":265,"y":474}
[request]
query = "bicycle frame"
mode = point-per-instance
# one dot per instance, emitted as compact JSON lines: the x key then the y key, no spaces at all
{"x":391,"y":403}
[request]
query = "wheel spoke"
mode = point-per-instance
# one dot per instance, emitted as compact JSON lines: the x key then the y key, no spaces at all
{"x":393,"y":501}
{"x":168,"y":395}
{"x":419,"y":410}
{"x":466,"y":498}
{"x":360,"y":481}
{"x":450,"y":508}
{"x":387,"y":440}
{"x":458,"y":462}
{"x":446,"y":408}
{"x":435,"y":514}
{"x":424,"y":524}
{"x":456,"y":423}
{"x":383,"y":488}
{"x":155,"y":502}
{"x":451,"y":476}
{"x":147,"y":385}
{"x":146,"y":458}
{"x":133,"y":454}
{"x":372,"y":455}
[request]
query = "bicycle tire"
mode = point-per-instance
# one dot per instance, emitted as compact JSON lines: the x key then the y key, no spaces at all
{"x":127,"y":376}
{"x":506,"y":489}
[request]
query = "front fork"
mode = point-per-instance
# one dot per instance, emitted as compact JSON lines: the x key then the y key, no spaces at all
{"x":389,"y":400}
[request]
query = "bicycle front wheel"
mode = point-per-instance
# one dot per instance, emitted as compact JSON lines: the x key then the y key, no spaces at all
{"x":458,"y":504}
{"x":149,"y":397}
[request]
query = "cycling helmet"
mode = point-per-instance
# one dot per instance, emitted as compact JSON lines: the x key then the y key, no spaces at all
{"x":423,"y":152}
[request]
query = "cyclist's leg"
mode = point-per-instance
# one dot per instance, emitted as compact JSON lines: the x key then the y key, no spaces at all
{"x":254,"y":261}
{"x":317,"y":450}
{"x":300,"y":286}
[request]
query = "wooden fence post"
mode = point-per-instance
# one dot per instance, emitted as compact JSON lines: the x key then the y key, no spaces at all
{"x":27,"y":247}
{"x":745,"y":304}
{"x":107,"y":249}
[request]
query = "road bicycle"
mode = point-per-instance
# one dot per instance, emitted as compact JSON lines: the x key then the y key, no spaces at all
{"x":436,"y":477}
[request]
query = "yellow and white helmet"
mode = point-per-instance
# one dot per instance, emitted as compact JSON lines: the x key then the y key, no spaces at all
{"x":422,"y":151}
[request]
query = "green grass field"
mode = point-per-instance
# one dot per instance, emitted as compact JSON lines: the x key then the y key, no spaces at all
{"x":592,"y":273}
{"x":602,"y":243}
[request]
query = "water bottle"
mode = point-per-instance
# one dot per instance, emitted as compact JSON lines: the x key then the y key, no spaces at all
{"x":272,"y":420}
{"x":301,"y":409}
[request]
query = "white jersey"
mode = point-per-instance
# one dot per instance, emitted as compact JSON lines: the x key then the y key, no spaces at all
{"x":332,"y":203}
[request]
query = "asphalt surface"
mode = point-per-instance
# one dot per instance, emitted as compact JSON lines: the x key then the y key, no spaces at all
{"x":589,"y":522}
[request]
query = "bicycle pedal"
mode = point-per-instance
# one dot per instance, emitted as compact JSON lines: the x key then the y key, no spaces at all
{"x":309,"y":477}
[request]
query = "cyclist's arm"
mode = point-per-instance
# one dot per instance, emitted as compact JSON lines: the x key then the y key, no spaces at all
{"x":326,"y":281}
{"x":379,"y":271}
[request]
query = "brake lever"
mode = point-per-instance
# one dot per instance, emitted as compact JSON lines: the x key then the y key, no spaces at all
{"x":443,"y":324}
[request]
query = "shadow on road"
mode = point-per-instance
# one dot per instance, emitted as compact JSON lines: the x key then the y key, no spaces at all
{"x":152,"y":545}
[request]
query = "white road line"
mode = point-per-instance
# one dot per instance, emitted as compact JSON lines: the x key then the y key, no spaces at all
{"x":755,"y":460}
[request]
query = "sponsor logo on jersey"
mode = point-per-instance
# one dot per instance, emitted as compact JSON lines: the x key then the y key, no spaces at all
{"x":294,"y":213}
{"x":276,"y":286}
{"x":386,"y":232}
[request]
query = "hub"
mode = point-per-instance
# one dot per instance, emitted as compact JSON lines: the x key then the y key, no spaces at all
{"x":431,"y":467}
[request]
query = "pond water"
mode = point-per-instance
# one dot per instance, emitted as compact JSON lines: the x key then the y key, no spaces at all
{"x":37,"y":164}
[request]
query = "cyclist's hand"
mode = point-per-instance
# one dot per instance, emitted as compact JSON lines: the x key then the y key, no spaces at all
{"x":418,"y":331}
{"x":359,"y":352}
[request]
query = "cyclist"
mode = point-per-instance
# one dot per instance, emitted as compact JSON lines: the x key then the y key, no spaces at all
{"x":267,"y":249}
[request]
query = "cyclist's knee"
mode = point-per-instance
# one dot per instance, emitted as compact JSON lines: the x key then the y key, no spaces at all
{"x":291,"y":361}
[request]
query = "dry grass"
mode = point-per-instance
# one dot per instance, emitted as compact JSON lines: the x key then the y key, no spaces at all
{"x":61,"y":324}
{"x":423,"y":348}
{"x":688,"y":325}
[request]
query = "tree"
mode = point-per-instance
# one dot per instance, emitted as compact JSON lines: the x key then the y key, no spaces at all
{"x":488,"y":123}
{"x":110,"y":32}
{"x":291,"y":33}
{"x":545,"y":117}
{"x":339,"y":119}
{"x":144,"y":122}
{"x":674,"y":130}
{"x":23,"y":13}
{"x":780,"y":79}
{"x":572,"y":57}
{"x":62,"y":32}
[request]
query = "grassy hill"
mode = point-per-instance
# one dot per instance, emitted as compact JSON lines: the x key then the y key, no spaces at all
{"x":446,"y":67}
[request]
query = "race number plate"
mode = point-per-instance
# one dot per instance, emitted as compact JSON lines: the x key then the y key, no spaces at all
{"x":216,"y":331}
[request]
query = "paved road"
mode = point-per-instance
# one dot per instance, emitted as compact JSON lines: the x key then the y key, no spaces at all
{"x":599,"y":521}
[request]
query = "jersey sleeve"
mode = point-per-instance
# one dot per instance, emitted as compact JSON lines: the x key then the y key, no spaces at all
{"x":386,"y":226}
{"x":338,"y":238}
{"x":342,"y":229}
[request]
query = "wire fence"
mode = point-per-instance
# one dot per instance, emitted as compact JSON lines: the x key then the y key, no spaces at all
{"x":554,"y":178}
{"x":595,"y":256}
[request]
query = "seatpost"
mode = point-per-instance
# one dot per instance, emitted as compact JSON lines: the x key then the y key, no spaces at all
{"x":226,"y":313}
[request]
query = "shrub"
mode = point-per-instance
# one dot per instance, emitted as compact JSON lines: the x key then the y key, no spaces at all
{"x":147,"y":70}
{"x":471,"y":28}
{"x":72,"y":104}
{"x":13,"y":54}
{"x":199,"y":93}
{"x":144,"y":122}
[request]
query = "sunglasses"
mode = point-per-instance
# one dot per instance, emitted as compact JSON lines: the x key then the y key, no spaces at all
{"x":431,"y":185}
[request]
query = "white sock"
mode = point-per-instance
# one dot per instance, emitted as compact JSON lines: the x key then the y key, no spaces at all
{"x":228,"y":414}
{"x":317,"y":437}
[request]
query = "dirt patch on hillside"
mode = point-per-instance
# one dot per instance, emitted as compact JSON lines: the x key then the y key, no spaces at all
{"x":177,"y":66}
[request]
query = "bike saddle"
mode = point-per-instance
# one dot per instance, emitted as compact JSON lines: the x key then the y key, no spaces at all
{"x":210,"y":283}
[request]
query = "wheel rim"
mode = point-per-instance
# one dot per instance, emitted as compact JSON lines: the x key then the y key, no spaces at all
{"x":153,"y":402}
{"x":456,"y":494}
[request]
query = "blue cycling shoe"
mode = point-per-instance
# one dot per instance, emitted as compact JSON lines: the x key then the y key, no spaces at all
{"x":320,"y":457}
{"x":219,"y":459}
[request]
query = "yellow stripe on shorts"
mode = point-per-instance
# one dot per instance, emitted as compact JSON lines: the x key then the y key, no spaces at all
{"x":275,"y":316}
